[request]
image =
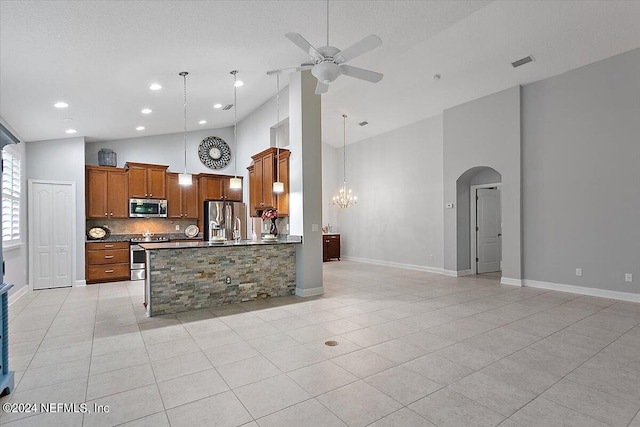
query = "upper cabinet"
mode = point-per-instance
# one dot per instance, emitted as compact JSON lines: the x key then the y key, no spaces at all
{"x":267,"y":168}
{"x":146,"y":181}
{"x":107,"y":192}
{"x":217,"y":187}
{"x":182,"y":200}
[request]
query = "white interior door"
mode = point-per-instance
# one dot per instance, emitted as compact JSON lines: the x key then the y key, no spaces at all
{"x":51,"y":211}
{"x":489,"y":230}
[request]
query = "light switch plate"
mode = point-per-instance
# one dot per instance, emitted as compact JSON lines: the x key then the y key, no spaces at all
{"x":177,"y":227}
{"x":628,"y":277}
{"x":578,"y":272}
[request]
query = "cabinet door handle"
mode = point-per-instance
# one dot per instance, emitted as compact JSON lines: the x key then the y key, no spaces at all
{"x":150,"y":195}
{"x":111,"y":214}
{"x":108,"y":271}
{"x":108,"y":246}
{"x":145,"y":194}
{"x":106,"y":214}
{"x":108,"y":256}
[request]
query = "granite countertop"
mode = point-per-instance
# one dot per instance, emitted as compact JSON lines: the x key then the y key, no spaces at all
{"x":201,"y":244}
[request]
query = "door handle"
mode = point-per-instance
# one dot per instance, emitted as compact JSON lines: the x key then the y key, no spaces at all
{"x":499,"y":234}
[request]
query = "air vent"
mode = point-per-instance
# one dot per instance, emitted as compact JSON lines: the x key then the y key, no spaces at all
{"x":522,"y":61}
{"x":363,"y":123}
{"x":227,"y":107}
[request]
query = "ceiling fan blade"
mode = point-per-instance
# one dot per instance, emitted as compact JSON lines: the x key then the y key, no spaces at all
{"x":303,"y":44}
{"x":357,"y":49}
{"x":361,"y":73}
{"x":302,"y":67}
{"x":321,"y":88}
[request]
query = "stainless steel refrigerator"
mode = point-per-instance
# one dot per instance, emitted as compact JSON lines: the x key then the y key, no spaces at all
{"x":222,"y":218}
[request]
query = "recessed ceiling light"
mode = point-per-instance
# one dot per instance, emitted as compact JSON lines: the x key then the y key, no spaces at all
{"x":238,"y":83}
{"x":155,"y":86}
{"x":140,"y":128}
{"x":202,"y":122}
{"x":146,"y":111}
{"x":217,"y":106}
{"x":68,"y":119}
{"x":61,"y":104}
{"x":71,"y":131}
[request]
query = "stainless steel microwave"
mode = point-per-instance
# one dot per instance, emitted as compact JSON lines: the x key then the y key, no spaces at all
{"x":147,"y":208}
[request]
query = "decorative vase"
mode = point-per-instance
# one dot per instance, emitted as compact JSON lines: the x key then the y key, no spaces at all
{"x":274,"y":230}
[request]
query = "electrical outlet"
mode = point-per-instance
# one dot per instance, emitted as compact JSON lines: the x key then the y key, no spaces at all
{"x":177,"y":227}
{"x":286,"y":227}
{"x":578,"y":272}
{"x":628,"y":277}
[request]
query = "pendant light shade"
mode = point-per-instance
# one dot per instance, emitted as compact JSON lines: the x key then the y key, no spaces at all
{"x":345,"y":198}
{"x":278,"y":187}
{"x":235,"y":183}
{"x":185,"y":178}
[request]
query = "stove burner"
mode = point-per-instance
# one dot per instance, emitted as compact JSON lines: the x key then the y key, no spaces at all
{"x":148,"y":239}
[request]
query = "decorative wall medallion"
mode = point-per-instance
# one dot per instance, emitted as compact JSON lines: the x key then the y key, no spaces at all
{"x":214,"y":153}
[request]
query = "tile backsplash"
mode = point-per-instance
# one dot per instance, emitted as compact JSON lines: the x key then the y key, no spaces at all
{"x":140,"y":225}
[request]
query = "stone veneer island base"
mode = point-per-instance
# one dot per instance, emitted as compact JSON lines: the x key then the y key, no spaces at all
{"x":186,"y":276}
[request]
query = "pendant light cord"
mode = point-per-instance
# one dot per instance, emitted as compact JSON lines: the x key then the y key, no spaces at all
{"x":344,"y":151}
{"x":278,"y":128}
{"x":184,"y":77}
{"x":235,"y":123}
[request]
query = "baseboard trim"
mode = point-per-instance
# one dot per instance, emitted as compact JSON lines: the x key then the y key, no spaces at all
{"x":455,"y":273}
{"x":81,"y":283}
{"x":16,"y":296}
{"x":511,"y":281}
{"x":583,"y":290}
{"x":395,"y":264}
{"x":311,"y":292}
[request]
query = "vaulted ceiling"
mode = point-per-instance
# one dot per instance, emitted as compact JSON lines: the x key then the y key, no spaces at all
{"x":101,"y":57}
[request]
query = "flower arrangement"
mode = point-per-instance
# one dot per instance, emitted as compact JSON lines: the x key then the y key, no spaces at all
{"x":270,"y":214}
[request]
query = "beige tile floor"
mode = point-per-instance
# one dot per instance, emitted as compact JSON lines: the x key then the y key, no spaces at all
{"x":414,"y":349}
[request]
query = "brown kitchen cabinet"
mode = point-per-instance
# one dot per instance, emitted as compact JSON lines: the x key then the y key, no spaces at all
{"x":330,"y":247}
{"x":107,"y":192}
{"x":182,"y":200}
{"x":107,"y":261}
{"x":262,"y":174}
{"x":146,"y":181}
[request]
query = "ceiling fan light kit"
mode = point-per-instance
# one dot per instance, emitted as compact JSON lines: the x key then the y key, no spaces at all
{"x":329,"y":61}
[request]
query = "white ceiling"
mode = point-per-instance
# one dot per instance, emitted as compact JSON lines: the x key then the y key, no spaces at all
{"x":101,"y":56}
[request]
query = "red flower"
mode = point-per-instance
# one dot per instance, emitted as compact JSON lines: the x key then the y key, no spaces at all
{"x":270,"y":214}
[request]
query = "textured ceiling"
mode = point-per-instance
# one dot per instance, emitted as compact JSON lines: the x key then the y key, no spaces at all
{"x":101,"y":56}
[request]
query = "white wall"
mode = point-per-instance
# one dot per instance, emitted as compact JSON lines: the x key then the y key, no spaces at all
{"x":16,"y":259}
{"x":331,"y":164}
{"x":165,"y":150}
{"x":581,"y":175}
{"x":397,"y":177}
{"x":484,"y":132}
{"x":62,"y":160}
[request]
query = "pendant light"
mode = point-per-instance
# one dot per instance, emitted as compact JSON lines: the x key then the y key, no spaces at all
{"x":344,"y":199}
{"x":185,"y":178}
{"x":235,"y":183}
{"x":278,"y":186}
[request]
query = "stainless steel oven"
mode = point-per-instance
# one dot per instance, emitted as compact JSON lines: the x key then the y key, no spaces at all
{"x":137,"y":256}
{"x":137,"y":262}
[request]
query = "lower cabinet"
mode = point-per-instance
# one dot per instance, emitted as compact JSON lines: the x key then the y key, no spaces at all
{"x":107,"y":261}
{"x":330,"y":246}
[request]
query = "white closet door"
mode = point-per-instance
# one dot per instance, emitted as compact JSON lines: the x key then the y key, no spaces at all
{"x":51,"y":211}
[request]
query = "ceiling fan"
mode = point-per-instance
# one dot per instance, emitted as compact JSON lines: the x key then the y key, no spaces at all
{"x":329,"y":62}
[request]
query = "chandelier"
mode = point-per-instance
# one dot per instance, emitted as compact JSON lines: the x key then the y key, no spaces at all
{"x":344,"y":198}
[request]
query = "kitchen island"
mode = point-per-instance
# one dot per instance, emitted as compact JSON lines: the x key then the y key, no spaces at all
{"x":185,"y":276}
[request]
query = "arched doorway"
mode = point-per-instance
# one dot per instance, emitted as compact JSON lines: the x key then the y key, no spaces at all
{"x":479,"y":221}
